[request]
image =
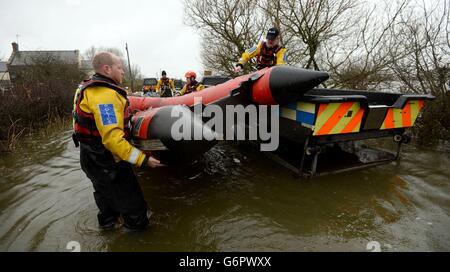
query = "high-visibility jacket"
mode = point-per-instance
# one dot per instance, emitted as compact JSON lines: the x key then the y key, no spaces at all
{"x":266,"y":57}
{"x":168,"y":82}
{"x":193,"y":87}
{"x":101,"y":114}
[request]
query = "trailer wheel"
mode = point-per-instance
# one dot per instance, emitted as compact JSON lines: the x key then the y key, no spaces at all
{"x":311,"y":150}
{"x":398,"y":138}
{"x":406,"y":139}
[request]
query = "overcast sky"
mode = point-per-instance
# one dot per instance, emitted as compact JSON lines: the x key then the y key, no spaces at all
{"x":154,"y":30}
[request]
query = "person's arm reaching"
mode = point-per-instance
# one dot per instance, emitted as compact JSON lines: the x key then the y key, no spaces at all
{"x":247,"y":55}
{"x":183,"y":90}
{"x":107,"y":106}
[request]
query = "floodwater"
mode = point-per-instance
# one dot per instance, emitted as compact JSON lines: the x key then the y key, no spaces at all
{"x":237,"y":201}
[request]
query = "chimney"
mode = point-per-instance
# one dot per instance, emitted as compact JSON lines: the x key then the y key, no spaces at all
{"x":15,"y":47}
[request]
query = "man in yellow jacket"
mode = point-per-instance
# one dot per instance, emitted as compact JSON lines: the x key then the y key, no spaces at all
{"x":192,"y":85}
{"x":268,"y":53}
{"x":165,"y":86}
{"x":102,"y":129}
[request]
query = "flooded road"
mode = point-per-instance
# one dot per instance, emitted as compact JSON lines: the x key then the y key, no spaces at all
{"x":240,"y":201}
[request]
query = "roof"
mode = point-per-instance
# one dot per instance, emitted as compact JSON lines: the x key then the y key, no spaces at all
{"x":27,"y":57}
{"x":3,"y":67}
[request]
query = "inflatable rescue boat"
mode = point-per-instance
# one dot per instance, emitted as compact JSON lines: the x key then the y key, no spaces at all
{"x":153,"y":120}
{"x":312,"y":121}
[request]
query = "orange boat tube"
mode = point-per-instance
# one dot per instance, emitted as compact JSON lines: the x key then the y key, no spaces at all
{"x":276,"y":85}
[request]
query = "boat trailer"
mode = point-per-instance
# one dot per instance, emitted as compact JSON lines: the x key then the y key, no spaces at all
{"x":322,"y":133}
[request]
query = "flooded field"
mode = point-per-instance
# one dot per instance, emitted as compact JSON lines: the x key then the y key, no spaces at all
{"x":235,"y":200}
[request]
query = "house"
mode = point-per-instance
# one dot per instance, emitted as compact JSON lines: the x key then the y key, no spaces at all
{"x":19,"y":60}
{"x":4,"y":75}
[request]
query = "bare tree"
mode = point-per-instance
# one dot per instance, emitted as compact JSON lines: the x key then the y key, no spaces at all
{"x":395,"y":45}
{"x":89,"y":53}
{"x":312,"y":23}
{"x":227,"y":28}
{"x":318,"y":34}
{"x":424,"y":39}
{"x":423,"y":36}
{"x":136,"y":74}
{"x":356,"y":41}
{"x":360,"y":58}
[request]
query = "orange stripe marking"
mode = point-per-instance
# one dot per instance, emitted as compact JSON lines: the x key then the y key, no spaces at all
{"x":421,"y":103}
{"x":321,"y":109}
{"x":335,"y":118}
{"x":406,"y":115}
{"x":354,"y":122}
{"x":389,"y":120}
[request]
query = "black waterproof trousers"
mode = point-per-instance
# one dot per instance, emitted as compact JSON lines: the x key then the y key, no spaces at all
{"x":117,"y":191}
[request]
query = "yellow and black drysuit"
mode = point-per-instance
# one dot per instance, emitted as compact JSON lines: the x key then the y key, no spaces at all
{"x":165,"y":87}
{"x":266,"y":57}
{"x":194,"y":86}
{"x":102,"y":129}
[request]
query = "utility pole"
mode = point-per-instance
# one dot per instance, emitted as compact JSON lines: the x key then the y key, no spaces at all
{"x":129,"y":66}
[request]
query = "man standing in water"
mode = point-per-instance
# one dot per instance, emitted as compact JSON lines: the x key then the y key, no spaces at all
{"x":102,"y":129}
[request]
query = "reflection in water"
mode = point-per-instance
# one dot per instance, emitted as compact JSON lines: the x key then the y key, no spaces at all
{"x":232,"y":199}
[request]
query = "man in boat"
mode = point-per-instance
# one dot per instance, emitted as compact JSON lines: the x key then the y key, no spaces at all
{"x":268,"y":53}
{"x":102,"y":129}
{"x":192,"y":85}
{"x":165,"y":86}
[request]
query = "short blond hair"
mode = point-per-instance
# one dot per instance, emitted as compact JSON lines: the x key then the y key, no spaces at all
{"x":103,"y":58}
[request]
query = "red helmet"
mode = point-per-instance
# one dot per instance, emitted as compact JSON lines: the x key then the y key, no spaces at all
{"x":190,"y":74}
